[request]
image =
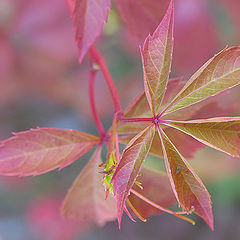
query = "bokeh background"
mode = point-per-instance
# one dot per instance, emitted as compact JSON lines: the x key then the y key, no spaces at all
{"x":42,"y":84}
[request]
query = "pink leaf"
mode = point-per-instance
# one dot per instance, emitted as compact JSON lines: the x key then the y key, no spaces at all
{"x":187,"y":186}
{"x":89,"y":17}
{"x":142,"y":16}
{"x":41,"y":150}
{"x":86,"y":198}
{"x":156,"y":59}
{"x":129,"y":167}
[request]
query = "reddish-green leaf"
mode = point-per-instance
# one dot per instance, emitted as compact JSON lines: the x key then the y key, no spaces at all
{"x":187,"y":186}
{"x":89,"y":17}
{"x":86,"y":198}
{"x":156,"y":58}
{"x":220,"y":133}
{"x":41,"y":150}
{"x":157,"y":188}
{"x":218,"y":74}
{"x":129,"y":167}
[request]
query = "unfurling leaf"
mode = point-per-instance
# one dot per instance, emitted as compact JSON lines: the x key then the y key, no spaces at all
{"x":220,"y":133}
{"x":156,"y":58}
{"x":218,"y":74}
{"x":129,"y":167}
{"x":156,"y":186}
{"x":86,"y":198}
{"x":41,"y":150}
{"x":89,"y":17}
{"x":187,"y":186}
{"x":108,"y":171}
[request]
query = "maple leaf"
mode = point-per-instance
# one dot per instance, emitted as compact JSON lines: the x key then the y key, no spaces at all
{"x":218,"y":74}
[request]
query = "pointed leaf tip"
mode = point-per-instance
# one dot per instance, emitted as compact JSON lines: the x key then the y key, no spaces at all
{"x":89,"y":17}
{"x":156,"y":58}
{"x":129,"y":166}
{"x":222,"y":133}
{"x":218,"y":74}
{"x":187,"y":186}
{"x":41,"y":150}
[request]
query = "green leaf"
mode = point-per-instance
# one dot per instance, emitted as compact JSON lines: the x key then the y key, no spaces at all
{"x":220,"y":133}
{"x":220,"y":73}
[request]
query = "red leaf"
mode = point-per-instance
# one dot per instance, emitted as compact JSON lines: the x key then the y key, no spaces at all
{"x":86,"y":198}
{"x":41,"y":150}
{"x":89,"y":17}
{"x":44,"y":217}
{"x":187,"y":186}
{"x":129,"y":167}
{"x":142,"y":16}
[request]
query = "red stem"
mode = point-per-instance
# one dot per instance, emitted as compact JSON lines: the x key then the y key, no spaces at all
{"x":92,"y":103}
{"x":98,"y":58}
{"x":123,"y":119}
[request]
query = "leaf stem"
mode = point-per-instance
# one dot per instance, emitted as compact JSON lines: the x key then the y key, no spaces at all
{"x":123,"y":119}
{"x":98,"y":59}
{"x":93,"y":105}
{"x":177,"y":214}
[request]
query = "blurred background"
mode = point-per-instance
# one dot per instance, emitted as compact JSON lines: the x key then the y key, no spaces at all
{"x":42,"y":84}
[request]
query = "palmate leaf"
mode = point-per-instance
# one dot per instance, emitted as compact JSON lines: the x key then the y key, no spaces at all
{"x":86,"y":198}
{"x":218,"y":74}
{"x":129,"y":167}
{"x":220,"y":133}
{"x":89,"y":17}
{"x":187,"y":186}
{"x":41,"y":150}
{"x":156,"y":58}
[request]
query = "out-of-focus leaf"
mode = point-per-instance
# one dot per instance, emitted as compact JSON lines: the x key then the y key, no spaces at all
{"x":142,"y":16}
{"x":218,"y":74}
{"x":129,"y":167}
{"x":187,"y":186}
{"x":86,"y":198}
{"x":156,"y":57}
{"x":43,"y":216}
{"x":157,"y":188}
{"x":41,"y":150}
{"x":89,"y":17}
{"x":220,"y":133}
